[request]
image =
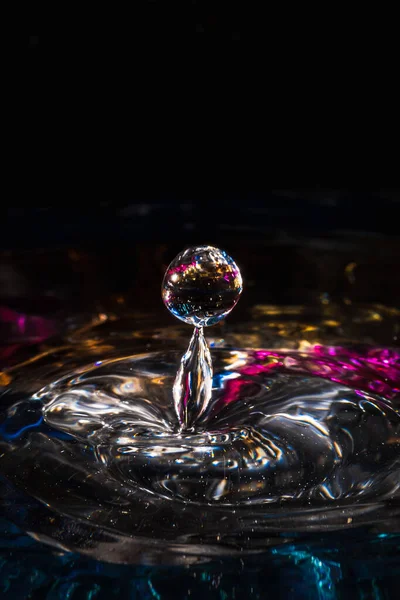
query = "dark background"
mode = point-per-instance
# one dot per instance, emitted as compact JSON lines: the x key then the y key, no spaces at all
{"x":176,"y":130}
{"x":199,"y":121}
{"x":190,"y":216}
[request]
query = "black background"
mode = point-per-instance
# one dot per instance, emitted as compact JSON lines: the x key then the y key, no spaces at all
{"x":194,"y":120}
{"x":151,"y":215}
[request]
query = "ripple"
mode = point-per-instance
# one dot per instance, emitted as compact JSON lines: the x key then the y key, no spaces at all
{"x":272,"y":433}
{"x":300,"y":439}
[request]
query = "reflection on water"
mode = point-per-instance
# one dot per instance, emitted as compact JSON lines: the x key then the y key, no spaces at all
{"x":302,"y":432}
{"x":280,"y":427}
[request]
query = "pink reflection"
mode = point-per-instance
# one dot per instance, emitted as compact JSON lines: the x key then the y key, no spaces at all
{"x":181,"y":268}
{"x":374,"y":370}
{"x":231,"y":275}
{"x":19,"y":327}
{"x":233,"y":390}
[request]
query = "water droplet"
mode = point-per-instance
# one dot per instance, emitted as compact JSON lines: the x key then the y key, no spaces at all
{"x":201,"y":285}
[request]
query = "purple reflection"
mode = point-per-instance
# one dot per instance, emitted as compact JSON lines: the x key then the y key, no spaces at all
{"x":374,"y":370}
{"x":22,"y":328}
{"x":181,"y":268}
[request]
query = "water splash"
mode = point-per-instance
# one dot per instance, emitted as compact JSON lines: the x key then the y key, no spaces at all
{"x":200,"y":287}
{"x":295,"y":427}
{"x":279,"y":429}
{"x":193,"y":383}
{"x":305,"y":438}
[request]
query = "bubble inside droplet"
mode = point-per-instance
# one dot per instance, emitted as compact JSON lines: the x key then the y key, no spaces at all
{"x":201,"y":285}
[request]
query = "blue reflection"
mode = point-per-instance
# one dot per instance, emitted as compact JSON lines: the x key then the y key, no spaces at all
{"x":19,"y":432}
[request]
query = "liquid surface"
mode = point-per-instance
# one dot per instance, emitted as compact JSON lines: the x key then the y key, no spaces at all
{"x":269,"y":436}
{"x":302,"y":433}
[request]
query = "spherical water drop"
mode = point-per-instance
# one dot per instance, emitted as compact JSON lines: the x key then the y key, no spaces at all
{"x":201,"y":285}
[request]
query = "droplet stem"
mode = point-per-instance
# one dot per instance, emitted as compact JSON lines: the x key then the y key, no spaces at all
{"x":193,"y":383}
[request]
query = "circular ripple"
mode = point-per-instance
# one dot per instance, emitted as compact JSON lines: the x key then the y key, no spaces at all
{"x":271,"y":434}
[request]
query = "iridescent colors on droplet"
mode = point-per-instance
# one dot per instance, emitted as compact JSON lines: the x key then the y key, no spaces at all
{"x":201,"y":285}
